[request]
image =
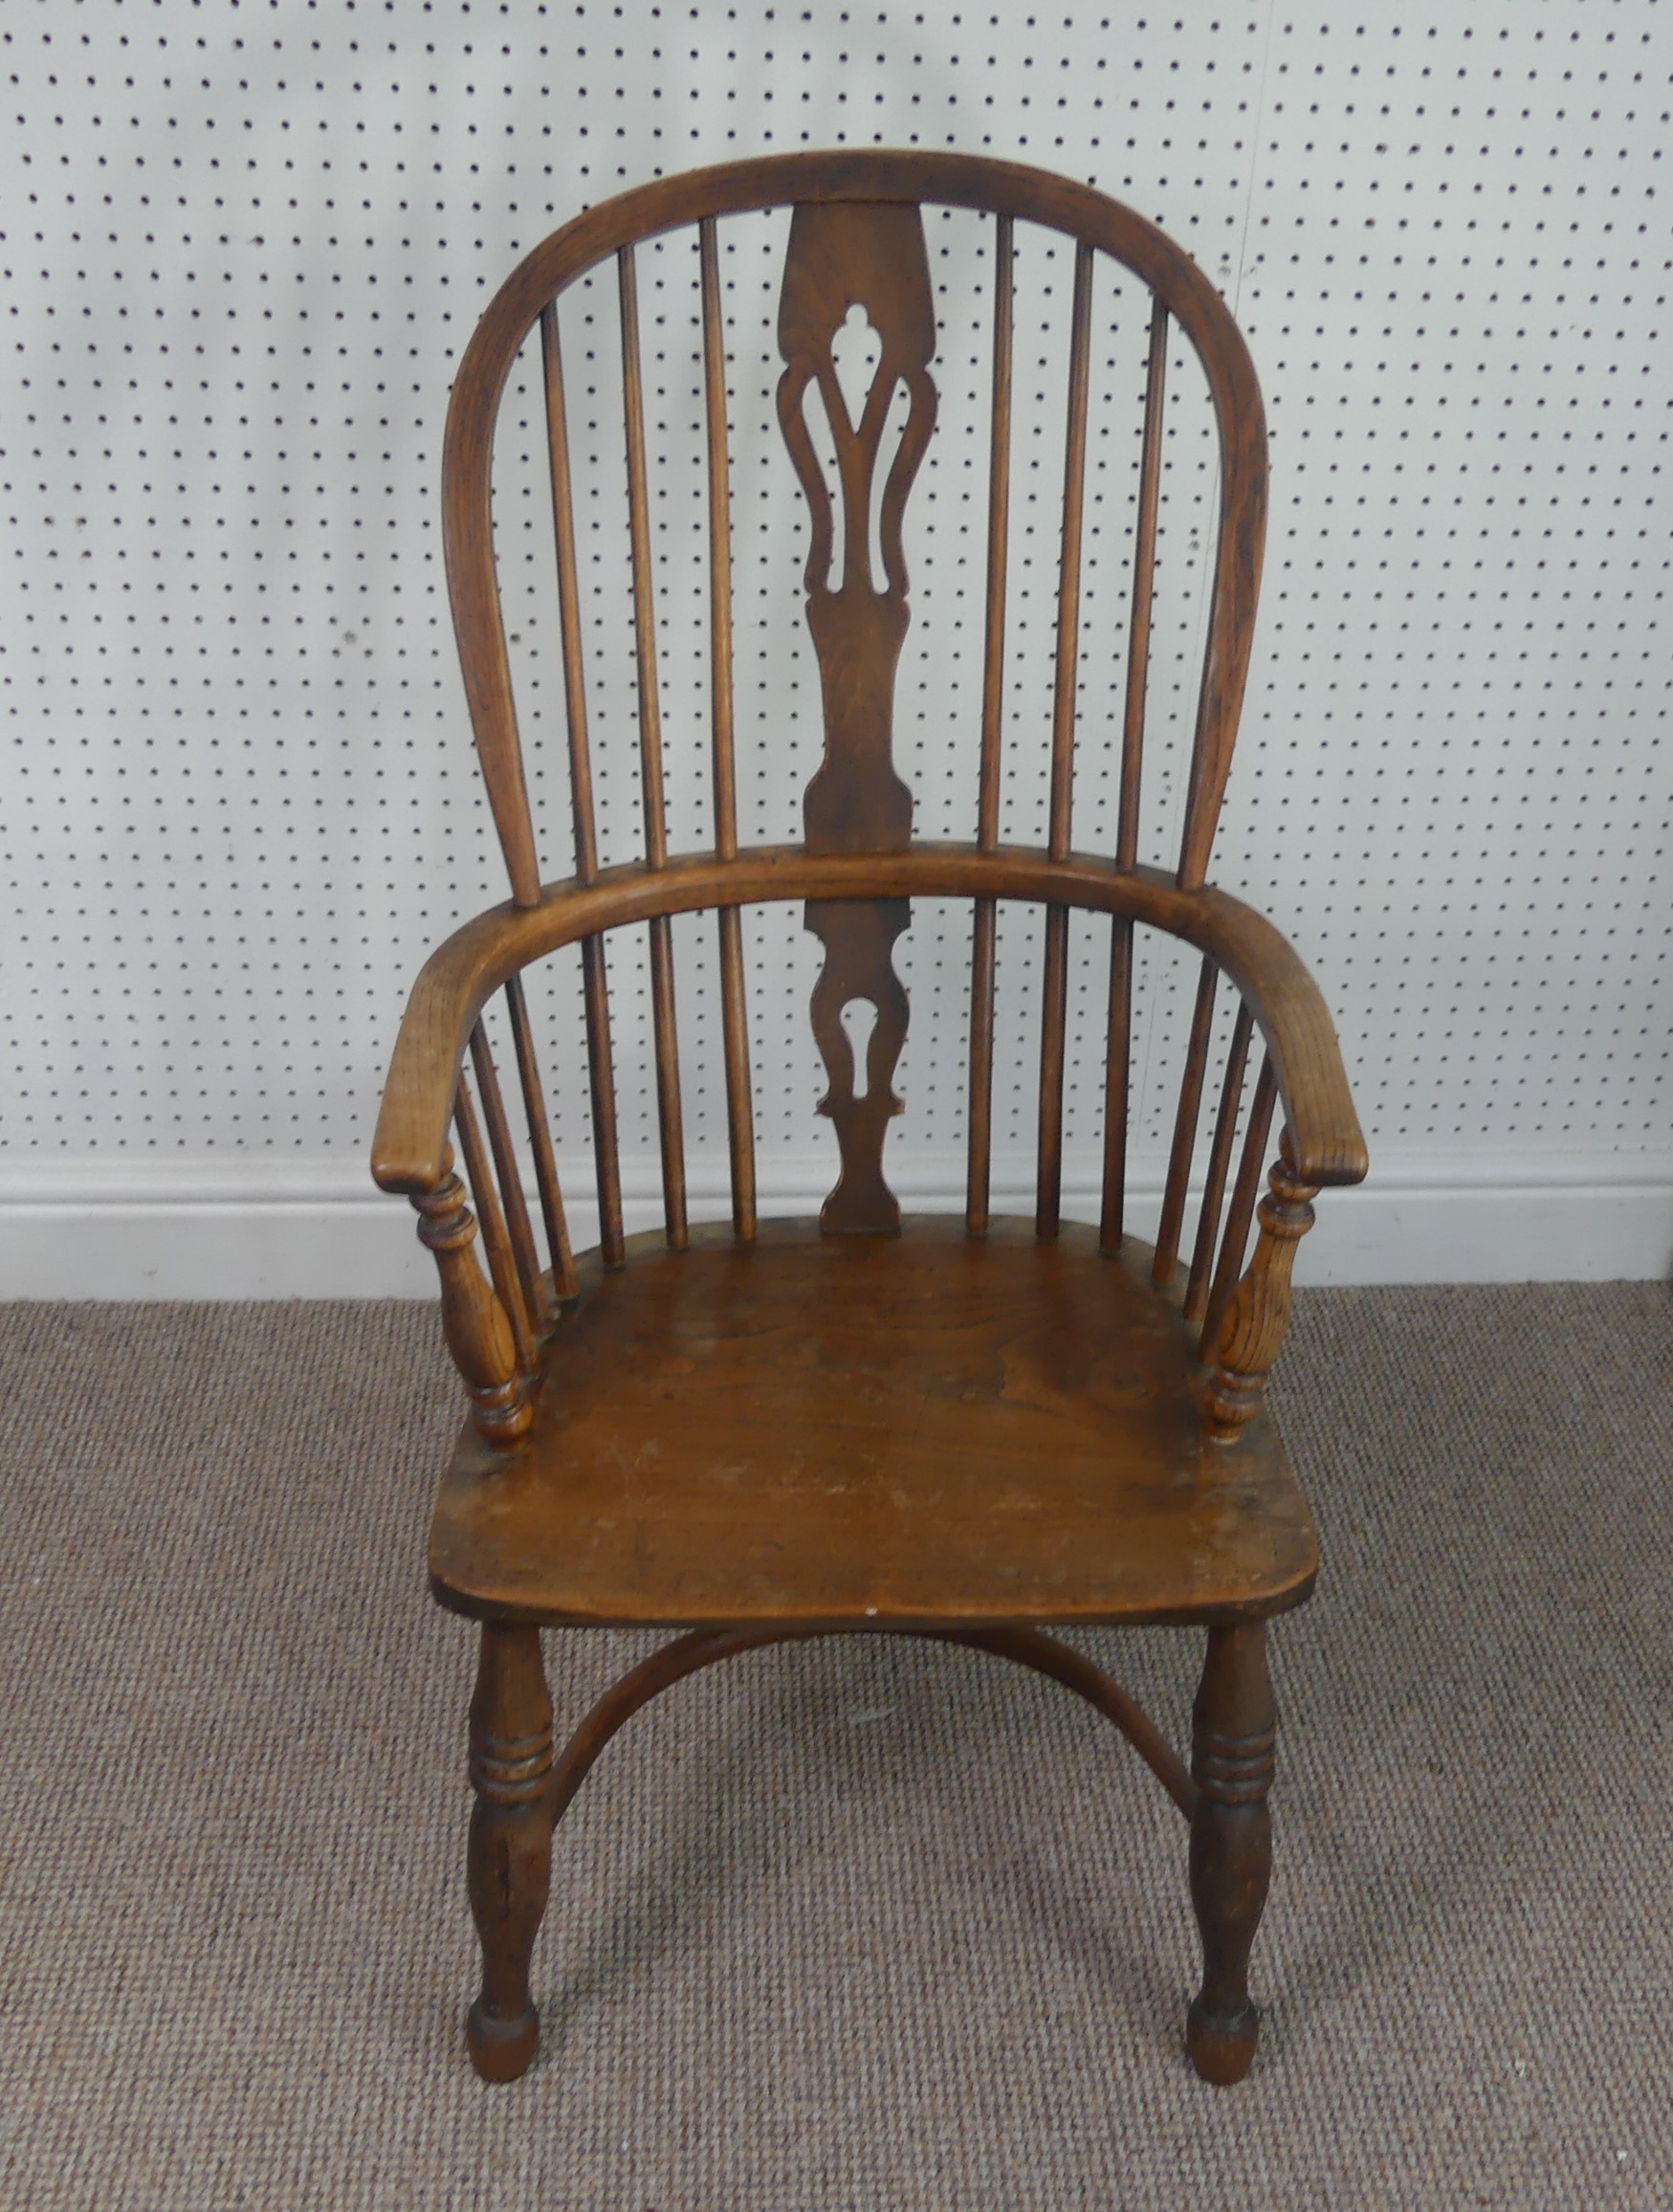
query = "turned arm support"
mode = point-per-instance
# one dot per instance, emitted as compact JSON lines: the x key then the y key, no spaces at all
{"x":475,"y":1324}
{"x":1251,"y":1335}
{"x":460,"y":977}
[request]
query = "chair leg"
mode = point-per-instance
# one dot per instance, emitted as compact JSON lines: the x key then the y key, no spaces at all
{"x":509,"y":1861}
{"x":1231,"y":1843}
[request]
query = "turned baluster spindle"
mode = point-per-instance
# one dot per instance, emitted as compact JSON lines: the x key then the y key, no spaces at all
{"x":501,"y":1263}
{"x":1235,"y":1241}
{"x":565,"y":1280}
{"x":1167,"y":1252}
{"x":1218,"y":1162}
{"x":1055,"y":1004}
{"x":669,"y":1114}
{"x":509,"y":1176}
{"x":1250,"y":1332}
{"x":985,"y":936}
{"x":474,"y":1321}
{"x":733,"y":1005}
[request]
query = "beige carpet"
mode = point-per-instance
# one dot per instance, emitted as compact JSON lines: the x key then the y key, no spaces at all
{"x":844,"y":1925}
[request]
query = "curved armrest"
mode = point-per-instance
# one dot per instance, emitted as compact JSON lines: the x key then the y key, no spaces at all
{"x":462,"y":975}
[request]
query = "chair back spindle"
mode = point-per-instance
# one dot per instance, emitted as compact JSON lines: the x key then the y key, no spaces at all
{"x":595,"y":978}
{"x":491,"y":1214}
{"x":1172,"y":1215}
{"x":1117,"y":1070}
{"x":985,"y":931}
{"x":1234,"y":1244}
{"x":534,"y":1307}
{"x":1219,"y":1160}
{"x":1144,"y":569}
{"x":565,"y":1282}
{"x":1054,"y":1003}
{"x":670,"y":1116}
{"x":733,"y":1005}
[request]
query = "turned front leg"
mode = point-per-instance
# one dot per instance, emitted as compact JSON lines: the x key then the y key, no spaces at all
{"x":1233,"y":1732}
{"x":509,"y":1856}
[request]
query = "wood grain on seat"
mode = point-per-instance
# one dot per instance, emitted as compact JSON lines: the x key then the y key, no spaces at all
{"x":929,"y":1428}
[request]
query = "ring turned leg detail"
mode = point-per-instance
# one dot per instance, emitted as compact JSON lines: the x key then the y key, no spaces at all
{"x":1233,"y":1733}
{"x":509,"y":1862}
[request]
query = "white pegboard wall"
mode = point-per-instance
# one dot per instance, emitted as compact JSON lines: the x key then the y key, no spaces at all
{"x":243,"y":248}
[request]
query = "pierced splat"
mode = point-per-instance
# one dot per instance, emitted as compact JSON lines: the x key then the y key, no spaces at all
{"x":859,"y":972}
{"x":844,"y":256}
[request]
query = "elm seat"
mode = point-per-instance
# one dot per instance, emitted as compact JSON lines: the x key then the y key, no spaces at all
{"x":921,"y":1430}
{"x":966,"y":1429}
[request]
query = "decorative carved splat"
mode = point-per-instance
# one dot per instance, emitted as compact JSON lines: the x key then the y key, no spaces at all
{"x":843,"y":254}
{"x":859,"y":942}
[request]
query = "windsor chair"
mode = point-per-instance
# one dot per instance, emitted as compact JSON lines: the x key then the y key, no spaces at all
{"x":967,"y":1428}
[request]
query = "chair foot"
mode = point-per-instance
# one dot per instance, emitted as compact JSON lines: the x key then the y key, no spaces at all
{"x":1221,"y":2051}
{"x":509,"y":1861}
{"x":1231,"y":1845}
{"x":501,"y":2049}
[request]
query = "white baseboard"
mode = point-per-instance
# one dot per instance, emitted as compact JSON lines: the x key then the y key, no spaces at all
{"x":252,"y":1227}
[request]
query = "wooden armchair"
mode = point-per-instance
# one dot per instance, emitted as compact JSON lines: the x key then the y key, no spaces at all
{"x":957,"y":1427}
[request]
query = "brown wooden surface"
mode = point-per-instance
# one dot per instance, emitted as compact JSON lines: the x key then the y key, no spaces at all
{"x":979,"y":1147}
{"x":1053,"y":1040}
{"x":984,"y":933}
{"x":1246,"y":1338}
{"x":1118,"y":1085}
{"x":669,"y":1115}
{"x":474,"y":1323}
{"x":1231,"y":1092}
{"x":859,"y":941}
{"x":972,"y":1427}
{"x":569,"y":618}
{"x":461,"y":975}
{"x":703,"y":1648}
{"x":839,"y":180}
{"x":1232,"y":1733}
{"x":1144,"y":562}
{"x":496,"y":1238}
{"x":929,"y":1431}
{"x":1234,"y":1240}
{"x":1185,"y":1120}
{"x":841,"y":256}
{"x":551,"y":1212}
{"x":509,"y":1860}
{"x":508,"y":1175}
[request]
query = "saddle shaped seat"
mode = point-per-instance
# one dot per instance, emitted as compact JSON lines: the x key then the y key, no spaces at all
{"x":927,"y":1430}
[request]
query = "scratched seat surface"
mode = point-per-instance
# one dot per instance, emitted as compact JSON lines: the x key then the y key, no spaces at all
{"x":933,"y":1428}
